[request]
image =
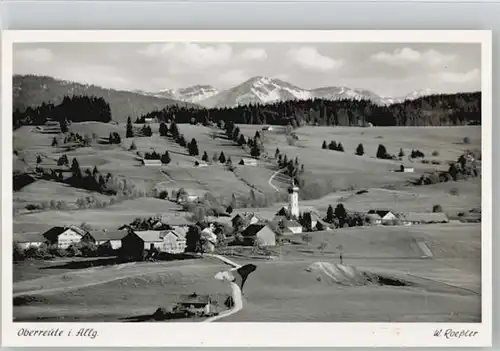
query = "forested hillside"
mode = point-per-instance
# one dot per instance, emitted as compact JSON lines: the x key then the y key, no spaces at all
{"x":32,"y":91}
{"x":434,"y":110}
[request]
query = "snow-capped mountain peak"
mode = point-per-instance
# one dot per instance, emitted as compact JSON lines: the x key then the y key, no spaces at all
{"x":262,"y":90}
{"x":194,"y":94}
{"x":419,"y":93}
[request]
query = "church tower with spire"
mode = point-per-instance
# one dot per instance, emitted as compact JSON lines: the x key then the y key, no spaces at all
{"x":293,"y":199}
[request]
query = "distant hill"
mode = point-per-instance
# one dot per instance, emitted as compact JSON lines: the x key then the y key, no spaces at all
{"x":31,"y":90}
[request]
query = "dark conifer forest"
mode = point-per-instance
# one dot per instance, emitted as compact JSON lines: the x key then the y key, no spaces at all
{"x":434,"y":110}
{"x":74,"y":109}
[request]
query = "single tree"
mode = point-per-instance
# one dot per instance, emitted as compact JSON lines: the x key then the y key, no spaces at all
{"x":38,"y":159}
{"x":63,"y":125}
{"x":324,"y":146}
{"x":193,"y":239}
{"x":182,"y":141}
{"x":437,"y":208}
{"x":222,"y":158}
{"x":165,"y":158}
{"x":130,"y":129}
{"x":55,"y":142}
{"x":133,"y":146}
{"x":204,"y":157}
{"x":163,"y":130}
{"x":193,"y":148}
{"x":255,"y":151}
{"x":174,"y":131}
{"x":242,"y":140}
{"x":330,"y":214}
{"x":381,"y":152}
{"x":341,"y":214}
{"x":333,"y":145}
{"x":340,"y":147}
{"x":276,"y":154}
{"x":75,"y":169}
{"x":401,"y":153}
{"x":360,"y":151}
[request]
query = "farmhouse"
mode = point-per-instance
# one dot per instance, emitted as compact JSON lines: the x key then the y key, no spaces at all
{"x":424,"y":218}
{"x":135,"y":242}
{"x":248,"y":161}
{"x":26,"y":240}
{"x":113,"y":238}
{"x":151,"y":163}
{"x":246,"y":219}
{"x":261,"y":233}
{"x":292,"y":226}
{"x":374,"y":218}
{"x":195,"y":303}
{"x":63,"y":237}
{"x":385,"y":215}
{"x":174,"y":242}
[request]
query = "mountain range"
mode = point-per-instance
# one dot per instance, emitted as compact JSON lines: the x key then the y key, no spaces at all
{"x":32,"y":90}
{"x":267,"y":90}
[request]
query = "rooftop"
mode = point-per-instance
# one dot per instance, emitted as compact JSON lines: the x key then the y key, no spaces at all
{"x":194,"y":299}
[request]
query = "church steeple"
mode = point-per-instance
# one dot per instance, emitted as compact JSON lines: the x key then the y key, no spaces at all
{"x":293,"y":199}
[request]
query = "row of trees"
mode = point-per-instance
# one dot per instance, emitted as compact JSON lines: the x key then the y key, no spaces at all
{"x":165,"y":158}
{"x":254,"y":145}
{"x":78,"y":108}
{"x":464,"y":168}
{"x":46,"y":251}
{"x":434,"y":110}
{"x":131,"y":133}
{"x":88,"y":180}
{"x":333,"y":146}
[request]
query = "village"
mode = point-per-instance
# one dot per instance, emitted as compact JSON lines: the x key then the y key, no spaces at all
{"x":240,"y":229}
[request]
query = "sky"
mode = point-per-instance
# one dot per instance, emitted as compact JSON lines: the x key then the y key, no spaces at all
{"x":388,"y":69}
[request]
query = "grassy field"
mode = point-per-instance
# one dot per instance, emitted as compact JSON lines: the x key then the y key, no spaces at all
{"x":342,"y":170}
{"x":101,"y":293}
{"x":110,"y":217}
{"x":285,"y":291}
{"x":443,"y":288}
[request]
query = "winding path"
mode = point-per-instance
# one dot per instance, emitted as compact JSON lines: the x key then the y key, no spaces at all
{"x":272,"y":177}
{"x":236,"y":291}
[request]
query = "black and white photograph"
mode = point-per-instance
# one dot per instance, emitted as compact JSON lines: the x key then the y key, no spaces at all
{"x":286,"y":181}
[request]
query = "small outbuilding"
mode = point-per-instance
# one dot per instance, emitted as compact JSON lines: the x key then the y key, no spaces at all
{"x":424,"y":218}
{"x":151,"y":163}
{"x":260,"y":233}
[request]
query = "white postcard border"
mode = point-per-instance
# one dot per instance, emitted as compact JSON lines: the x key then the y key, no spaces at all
{"x":250,"y":334}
